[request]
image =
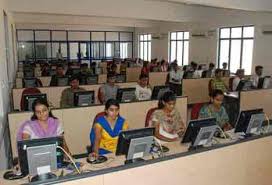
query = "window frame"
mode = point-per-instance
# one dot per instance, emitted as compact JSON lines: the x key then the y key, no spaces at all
{"x":148,"y":42}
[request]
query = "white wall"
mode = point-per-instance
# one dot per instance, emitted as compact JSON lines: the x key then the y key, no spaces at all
{"x":6,"y":83}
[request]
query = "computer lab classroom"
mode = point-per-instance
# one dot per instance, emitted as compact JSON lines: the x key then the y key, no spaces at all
{"x":149,"y":92}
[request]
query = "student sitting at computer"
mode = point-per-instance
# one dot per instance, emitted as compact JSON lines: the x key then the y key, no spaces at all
{"x":42,"y":124}
{"x":59,"y":73}
{"x":167,"y":120}
{"x":240,"y":73}
{"x":258,"y":74}
{"x":105,"y":131}
{"x":67,"y":95}
{"x":175,"y":79}
{"x":163,"y":66}
{"x":109,"y":90}
{"x":143,"y":91}
{"x":145,"y":69}
{"x":217,"y":82}
{"x":216,"y":110}
{"x":45,"y":70}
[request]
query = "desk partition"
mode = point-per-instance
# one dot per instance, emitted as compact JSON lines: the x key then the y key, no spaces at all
{"x":133,"y":73}
{"x":157,"y":78}
{"x":197,"y":90}
{"x":54,"y":93}
{"x":77,"y":122}
{"x":254,"y":99}
{"x":245,"y":163}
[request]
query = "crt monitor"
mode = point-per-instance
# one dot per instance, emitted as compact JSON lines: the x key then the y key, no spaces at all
{"x":250,"y":121}
{"x":200,"y":132}
{"x":244,"y":85}
{"x":264,"y":83}
{"x":30,"y":98}
{"x":28,"y":73}
{"x":40,"y":155}
{"x":126,"y":94}
{"x":84,"y":98}
{"x":29,"y":82}
{"x":120,"y":78}
{"x":158,"y":91}
{"x":90,"y":80}
{"x":63,"y":81}
{"x":135,"y":144}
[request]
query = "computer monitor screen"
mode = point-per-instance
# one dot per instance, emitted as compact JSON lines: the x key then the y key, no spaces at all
{"x":158,"y":91}
{"x":264,"y":83}
{"x":63,"y":81}
{"x":135,"y":143}
{"x":29,"y":82}
{"x":200,"y":132}
{"x":84,"y":98}
{"x":244,"y":85}
{"x":207,"y":74}
{"x":120,"y":78}
{"x":30,"y":98}
{"x":250,"y":121}
{"x":126,"y":94}
{"x":90,"y":80}
{"x":40,"y":155}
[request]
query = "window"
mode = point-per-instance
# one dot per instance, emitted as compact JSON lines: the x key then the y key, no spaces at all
{"x":123,"y":50}
{"x":236,"y":48}
{"x":179,"y":47}
{"x":145,"y":47}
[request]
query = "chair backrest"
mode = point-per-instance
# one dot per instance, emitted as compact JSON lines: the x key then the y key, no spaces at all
{"x":28,"y":91}
{"x":100,"y":95}
{"x":231,"y":84}
{"x":210,"y":87}
{"x":195,"y":110}
{"x":148,"y":115}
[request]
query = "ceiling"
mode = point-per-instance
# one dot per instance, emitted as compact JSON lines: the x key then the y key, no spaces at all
{"x":250,"y":5}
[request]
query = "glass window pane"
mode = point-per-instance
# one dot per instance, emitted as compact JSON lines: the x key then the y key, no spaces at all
{"x":102,"y":49}
{"x":141,"y":50}
{"x":248,"y":31}
{"x":247,"y":56}
{"x":149,"y":37}
{"x":55,"y":48}
{"x":73,"y":50}
{"x":149,"y":51}
{"x":42,"y":35}
{"x":186,"y":35}
{"x":123,"y":50}
{"x":25,"y":35}
{"x":180,"y":35}
{"x":59,"y":35}
{"x":224,"y":52}
{"x":116,"y":49}
{"x":109,"y":50}
{"x":98,"y":36}
{"x":236,"y":32}
{"x":179,"y":53}
{"x":173,"y":35}
{"x":141,"y":37}
{"x":173,"y":51}
{"x":145,"y":37}
{"x":42,"y":50}
{"x":85,"y":50}
{"x":112,"y":36}
{"x":225,"y":33}
{"x":145,"y":51}
{"x":25,"y":51}
{"x":186,"y":53}
{"x":95,"y":50}
{"x":235,"y":55}
{"x":129,"y":50}
{"x":78,"y":36}
{"x":126,"y":36}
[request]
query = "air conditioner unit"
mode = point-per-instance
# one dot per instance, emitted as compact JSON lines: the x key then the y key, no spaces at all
{"x":267,"y":29}
{"x":158,"y":36}
{"x":200,"y":34}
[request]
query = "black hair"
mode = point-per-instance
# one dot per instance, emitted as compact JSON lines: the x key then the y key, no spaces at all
{"x":258,"y":68}
{"x":74,"y":77}
{"x":60,"y":65}
{"x":110,"y":75}
{"x":216,"y":92}
{"x":166,"y":97}
{"x":111,"y":102}
{"x":40,"y":101}
{"x":143,"y":76}
{"x":211,"y":65}
{"x":217,"y":71}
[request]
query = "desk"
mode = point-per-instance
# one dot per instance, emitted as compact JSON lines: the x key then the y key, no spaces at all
{"x":251,"y":159}
{"x":78,"y":121}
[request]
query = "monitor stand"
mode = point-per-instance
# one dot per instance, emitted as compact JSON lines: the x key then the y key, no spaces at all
{"x":43,"y":177}
{"x":134,"y":160}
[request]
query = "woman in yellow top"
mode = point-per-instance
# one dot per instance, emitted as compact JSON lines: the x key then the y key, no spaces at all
{"x":104,"y":134}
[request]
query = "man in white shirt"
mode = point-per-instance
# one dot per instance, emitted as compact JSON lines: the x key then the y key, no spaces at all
{"x":175,"y":80}
{"x":143,"y":91}
{"x":240,"y":73}
{"x":258,"y":74}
